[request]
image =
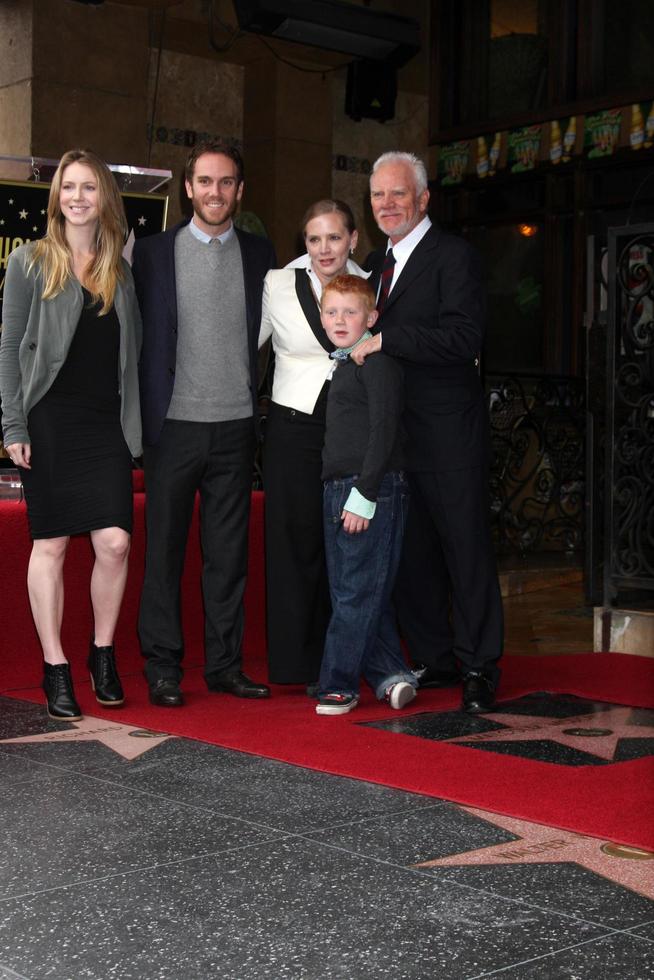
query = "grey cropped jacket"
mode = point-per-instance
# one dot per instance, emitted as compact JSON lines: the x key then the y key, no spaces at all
{"x":36,"y":336}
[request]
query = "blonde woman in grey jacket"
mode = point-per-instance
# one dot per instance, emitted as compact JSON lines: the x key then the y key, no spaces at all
{"x":70,"y":410}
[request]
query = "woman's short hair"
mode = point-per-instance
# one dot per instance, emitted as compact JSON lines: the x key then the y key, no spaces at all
{"x":330,"y":205}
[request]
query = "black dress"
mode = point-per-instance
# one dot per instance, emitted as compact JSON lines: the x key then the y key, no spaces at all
{"x":81,"y":469}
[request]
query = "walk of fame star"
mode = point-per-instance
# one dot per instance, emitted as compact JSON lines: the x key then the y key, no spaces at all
{"x":597,"y":734}
{"x":538,"y":844}
{"x":125,"y":740}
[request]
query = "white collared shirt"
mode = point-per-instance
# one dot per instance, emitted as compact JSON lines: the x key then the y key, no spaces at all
{"x":403,"y":249}
{"x":207,"y":239}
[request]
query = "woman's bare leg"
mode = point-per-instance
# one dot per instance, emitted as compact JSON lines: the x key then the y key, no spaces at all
{"x":45,"y":585}
{"x":111,"y":546}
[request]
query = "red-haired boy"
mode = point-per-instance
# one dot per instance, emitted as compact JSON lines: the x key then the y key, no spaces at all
{"x":365,"y":501}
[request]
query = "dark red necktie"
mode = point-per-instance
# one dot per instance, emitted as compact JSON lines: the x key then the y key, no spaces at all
{"x":386,"y":279}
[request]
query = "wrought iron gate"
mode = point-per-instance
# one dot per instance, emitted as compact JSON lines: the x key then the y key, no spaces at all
{"x":627,"y":432}
{"x":537,"y":476}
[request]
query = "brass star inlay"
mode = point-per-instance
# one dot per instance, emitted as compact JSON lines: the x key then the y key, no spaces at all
{"x":596,"y":733}
{"x":125,"y":740}
{"x":629,"y":867}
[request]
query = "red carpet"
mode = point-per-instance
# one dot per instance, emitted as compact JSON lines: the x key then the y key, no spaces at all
{"x":614,"y":802}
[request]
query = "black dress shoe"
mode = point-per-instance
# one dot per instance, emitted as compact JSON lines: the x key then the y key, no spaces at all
{"x":240,"y":685}
{"x":165,"y":693}
{"x":104,"y":676}
{"x":58,"y":688}
{"x":431,"y":677}
{"x":478,"y":694}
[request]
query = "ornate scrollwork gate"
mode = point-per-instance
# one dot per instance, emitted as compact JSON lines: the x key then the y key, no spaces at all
{"x":537,"y":477}
{"x":628,"y":437}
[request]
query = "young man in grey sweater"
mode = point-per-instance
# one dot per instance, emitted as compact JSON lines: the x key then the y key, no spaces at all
{"x":199,"y":288}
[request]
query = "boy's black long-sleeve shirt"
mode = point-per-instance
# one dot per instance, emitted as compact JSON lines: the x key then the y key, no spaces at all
{"x":364,"y":434}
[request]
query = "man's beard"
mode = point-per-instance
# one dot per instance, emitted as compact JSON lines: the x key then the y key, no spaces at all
{"x":398,"y":231}
{"x":210,"y":217}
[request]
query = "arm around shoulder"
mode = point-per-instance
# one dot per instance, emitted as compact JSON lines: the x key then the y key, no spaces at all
{"x":446,"y":324}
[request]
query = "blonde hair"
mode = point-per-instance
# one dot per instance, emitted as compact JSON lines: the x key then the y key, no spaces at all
{"x":52,"y":251}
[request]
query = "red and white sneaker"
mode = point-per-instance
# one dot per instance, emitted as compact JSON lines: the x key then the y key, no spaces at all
{"x":336,"y":704}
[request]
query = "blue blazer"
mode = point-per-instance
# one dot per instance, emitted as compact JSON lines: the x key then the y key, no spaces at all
{"x":154,"y":276}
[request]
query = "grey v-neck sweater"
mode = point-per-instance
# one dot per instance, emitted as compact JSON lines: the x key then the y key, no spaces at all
{"x":212,"y":374}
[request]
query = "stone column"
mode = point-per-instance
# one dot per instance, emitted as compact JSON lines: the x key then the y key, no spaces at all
{"x":287,"y":137}
{"x":73,"y":75}
{"x":15,"y":78}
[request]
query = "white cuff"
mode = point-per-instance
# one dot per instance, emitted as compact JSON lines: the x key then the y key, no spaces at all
{"x":357,"y":504}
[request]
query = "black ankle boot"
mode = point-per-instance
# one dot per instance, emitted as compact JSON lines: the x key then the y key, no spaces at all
{"x":104,"y":676}
{"x":58,"y":687}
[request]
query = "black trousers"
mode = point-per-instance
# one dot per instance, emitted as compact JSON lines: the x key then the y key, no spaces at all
{"x":297,"y":589}
{"x":447,"y":592}
{"x":216,"y":459}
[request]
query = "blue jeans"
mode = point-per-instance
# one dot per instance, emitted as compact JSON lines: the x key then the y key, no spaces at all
{"x":362,"y":637}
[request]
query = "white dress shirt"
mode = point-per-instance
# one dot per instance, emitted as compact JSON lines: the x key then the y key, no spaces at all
{"x":403,"y":249}
{"x":207,"y":239}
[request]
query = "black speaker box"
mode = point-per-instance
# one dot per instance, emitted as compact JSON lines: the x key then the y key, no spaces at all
{"x":371,"y":90}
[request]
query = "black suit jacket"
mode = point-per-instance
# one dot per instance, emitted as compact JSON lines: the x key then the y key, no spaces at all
{"x":433,"y":322}
{"x":154,"y":275}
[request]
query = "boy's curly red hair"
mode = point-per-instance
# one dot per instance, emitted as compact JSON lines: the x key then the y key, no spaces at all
{"x":351,"y":284}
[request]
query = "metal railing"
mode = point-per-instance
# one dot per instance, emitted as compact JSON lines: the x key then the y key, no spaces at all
{"x":537,"y":484}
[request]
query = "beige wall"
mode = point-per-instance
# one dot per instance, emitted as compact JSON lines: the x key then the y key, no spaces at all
{"x":89,"y":79}
{"x":287,"y":137}
{"x":74,"y":74}
{"x":194,"y":95}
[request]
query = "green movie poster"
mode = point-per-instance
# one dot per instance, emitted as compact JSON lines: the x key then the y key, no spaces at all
{"x":524,"y":148}
{"x":453,"y":161}
{"x":602,"y":132}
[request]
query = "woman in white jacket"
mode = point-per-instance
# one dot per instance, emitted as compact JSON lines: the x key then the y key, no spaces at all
{"x":297,"y":591}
